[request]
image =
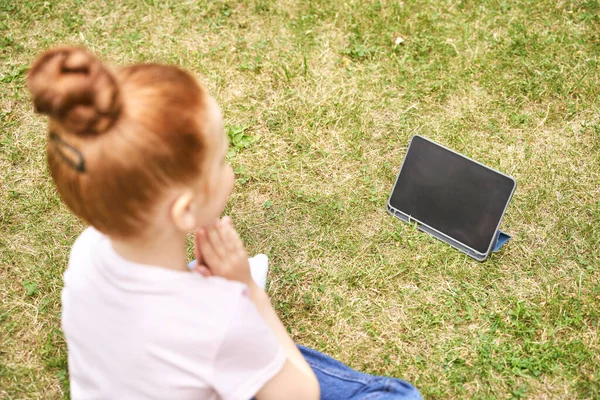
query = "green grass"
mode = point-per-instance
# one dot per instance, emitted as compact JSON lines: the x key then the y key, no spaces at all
{"x":323,"y":104}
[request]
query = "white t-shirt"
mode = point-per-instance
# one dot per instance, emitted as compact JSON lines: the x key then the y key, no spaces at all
{"x":142,"y":332}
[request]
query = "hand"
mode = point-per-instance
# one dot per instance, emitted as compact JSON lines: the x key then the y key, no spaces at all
{"x":220,"y":252}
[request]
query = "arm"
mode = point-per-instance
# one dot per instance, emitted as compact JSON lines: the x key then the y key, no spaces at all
{"x":220,"y":252}
{"x":304,"y":387}
{"x":289,"y":384}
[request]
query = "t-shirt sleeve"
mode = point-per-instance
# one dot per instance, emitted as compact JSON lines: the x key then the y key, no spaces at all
{"x":249,"y":355}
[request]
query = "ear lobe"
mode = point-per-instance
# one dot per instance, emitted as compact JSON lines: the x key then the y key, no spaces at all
{"x":183,"y":212}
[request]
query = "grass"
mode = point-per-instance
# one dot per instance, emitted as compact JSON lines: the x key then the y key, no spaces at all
{"x":320,"y":103}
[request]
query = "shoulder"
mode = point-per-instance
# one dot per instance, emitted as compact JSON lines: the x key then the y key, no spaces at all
{"x":81,"y":251}
{"x":84,"y":242}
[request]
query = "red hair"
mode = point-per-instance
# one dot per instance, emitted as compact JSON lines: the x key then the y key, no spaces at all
{"x":117,"y":140}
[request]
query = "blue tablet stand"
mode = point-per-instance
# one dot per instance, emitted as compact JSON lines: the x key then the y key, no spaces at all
{"x":501,"y":239}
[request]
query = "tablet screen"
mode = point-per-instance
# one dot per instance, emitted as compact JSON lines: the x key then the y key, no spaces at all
{"x":452,"y":194}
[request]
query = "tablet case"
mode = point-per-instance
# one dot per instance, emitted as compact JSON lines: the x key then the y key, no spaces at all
{"x":501,"y":237}
{"x":500,"y":240}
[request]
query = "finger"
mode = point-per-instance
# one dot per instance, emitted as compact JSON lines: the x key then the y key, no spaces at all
{"x":214,"y":237}
{"x":197,"y":252}
{"x":224,"y":234}
{"x":203,"y":270}
{"x":227,"y":220}
{"x":209,"y":256}
{"x":231,"y":238}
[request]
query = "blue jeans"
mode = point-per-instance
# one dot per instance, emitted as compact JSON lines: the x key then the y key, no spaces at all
{"x":340,"y":382}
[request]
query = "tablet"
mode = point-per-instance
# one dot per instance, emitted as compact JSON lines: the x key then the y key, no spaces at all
{"x":451,"y":197}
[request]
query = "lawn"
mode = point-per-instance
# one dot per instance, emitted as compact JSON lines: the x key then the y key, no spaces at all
{"x":320,"y":99}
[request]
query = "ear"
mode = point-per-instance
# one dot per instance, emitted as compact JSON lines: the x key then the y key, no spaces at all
{"x":183,"y":212}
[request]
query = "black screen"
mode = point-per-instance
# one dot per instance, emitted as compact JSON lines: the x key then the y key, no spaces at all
{"x":451,"y":194}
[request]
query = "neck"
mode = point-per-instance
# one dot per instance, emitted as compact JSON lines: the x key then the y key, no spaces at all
{"x":162,"y":249}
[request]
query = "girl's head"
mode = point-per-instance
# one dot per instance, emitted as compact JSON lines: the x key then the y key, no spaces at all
{"x":131,"y":150}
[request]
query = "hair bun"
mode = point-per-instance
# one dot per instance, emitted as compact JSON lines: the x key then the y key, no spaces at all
{"x":73,"y":87}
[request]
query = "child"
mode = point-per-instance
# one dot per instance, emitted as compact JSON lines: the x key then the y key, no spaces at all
{"x":139,"y":155}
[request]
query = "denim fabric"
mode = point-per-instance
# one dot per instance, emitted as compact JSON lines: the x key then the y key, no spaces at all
{"x":340,"y":382}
